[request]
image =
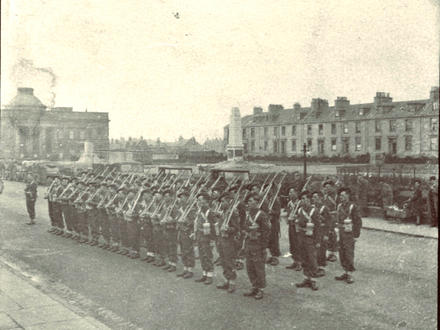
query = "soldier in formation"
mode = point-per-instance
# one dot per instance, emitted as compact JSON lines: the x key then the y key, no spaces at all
{"x":154,"y":216}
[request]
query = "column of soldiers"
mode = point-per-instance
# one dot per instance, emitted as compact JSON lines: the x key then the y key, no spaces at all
{"x":124,"y":213}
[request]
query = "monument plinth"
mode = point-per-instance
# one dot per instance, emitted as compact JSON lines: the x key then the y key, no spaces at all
{"x":235,"y":146}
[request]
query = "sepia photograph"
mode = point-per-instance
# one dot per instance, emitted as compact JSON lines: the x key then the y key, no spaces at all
{"x":224,"y":164}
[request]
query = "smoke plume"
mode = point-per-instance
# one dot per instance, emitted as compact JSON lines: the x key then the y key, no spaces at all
{"x":24,"y":71}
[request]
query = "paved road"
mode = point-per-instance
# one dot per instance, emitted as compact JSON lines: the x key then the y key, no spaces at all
{"x":396,"y":283}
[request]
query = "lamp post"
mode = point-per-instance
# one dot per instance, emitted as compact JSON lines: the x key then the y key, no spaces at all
{"x":305,"y":160}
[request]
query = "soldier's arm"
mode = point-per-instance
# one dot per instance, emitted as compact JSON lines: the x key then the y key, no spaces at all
{"x":357,"y":221}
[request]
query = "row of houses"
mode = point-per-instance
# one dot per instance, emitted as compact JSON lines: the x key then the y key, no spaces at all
{"x":384,"y":126}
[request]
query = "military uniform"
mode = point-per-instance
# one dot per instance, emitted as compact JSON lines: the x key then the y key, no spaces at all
{"x":31,"y":196}
{"x":185,"y":228}
{"x":205,"y":236}
{"x":227,"y":233}
{"x":57,"y":210}
{"x":158,"y":234}
{"x":274,"y":239}
{"x":146,"y":230}
{"x":332,"y":244}
{"x":309,"y":231}
{"x":326,"y":224}
{"x":257,"y":229}
{"x":294,"y":236}
{"x":349,"y":226}
{"x":170,"y":236}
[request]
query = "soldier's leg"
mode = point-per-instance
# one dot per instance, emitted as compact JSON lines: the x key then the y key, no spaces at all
{"x":124,"y":238}
{"x":148,"y":231}
{"x":172,"y":246}
{"x":229,"y":253}
{"x":260,"y":269}
{"x":251,"y":269}
{"x":187,"y":247}
{"x":274,"y":242}
{"x":116,"y":234}
{"x":322,"y":251}
{"x":105,"y":227}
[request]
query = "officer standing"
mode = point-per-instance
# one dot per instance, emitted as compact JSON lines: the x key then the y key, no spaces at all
{"x":31,"y":196}
{"x":185,"y":227}
{"x":292,"y":211}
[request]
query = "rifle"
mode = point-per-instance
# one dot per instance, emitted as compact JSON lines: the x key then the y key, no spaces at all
{"x":306,"y":184}
{"x":62,"y":193}
{"x":267,"y":177}
{"x":278,"y":190}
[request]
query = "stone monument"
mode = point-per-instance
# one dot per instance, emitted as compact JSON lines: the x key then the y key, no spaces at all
{"x":235,"y":147}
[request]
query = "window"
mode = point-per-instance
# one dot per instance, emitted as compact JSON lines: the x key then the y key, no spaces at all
{"x":294,"y":145}
{"x":265,"y":131}
{"x":244,"y":133}
{"x":378,"y":143}
{"x":345,"y":128}
{"x":309,"y":129}
{"x":321,"y":129}
{"x":408,"y":143}
{"x":276,"y":131}
{"x":408,"y":125}
{"x":252,"y":132}
{"x":358,"y":144}
{"x":82,"y":134}
{"x":71,"y":134}
{"x":434,"y":124}
{"x":321,"y":142}
{"x":302,"y":115}
{"x":334,"y":144}
{"x":333,"y":128}
{"x":294,"y":130}
{"x":309,"y":144}
{"x":275,"y":146}
{"x":283,"y":147}
{"x":283,"y":130}
{"x":345,"y":145}
{"x":392,"y":125}
{"x":378,"y":126}
{"x":357,"y":126}
{"x":252,"y":145}
{"x":361,"y":112}
{"x":265,"y":145}
{"x":434,"y":143}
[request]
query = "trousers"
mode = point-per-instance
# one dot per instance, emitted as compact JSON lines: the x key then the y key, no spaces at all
{"x":309,"y":256}
{"x":274,"y":238}
{"x":205,"y":253}
{"x":346,"y":250}
{"x":171,"y":244}
{"x":226,"y":246}
{"x":256,"y":267}
{"x":186,"y":248}
{"x":30,"y":206}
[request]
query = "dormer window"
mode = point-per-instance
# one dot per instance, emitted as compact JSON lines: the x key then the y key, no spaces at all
{"x":361,"y":112}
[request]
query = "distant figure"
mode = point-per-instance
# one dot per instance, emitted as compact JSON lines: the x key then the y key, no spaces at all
{"x":415,"y":202}
{"x":387,"y":194}
{"x":432,"y":200}
{"x":31,"y":196}
{"x":2,"y":185}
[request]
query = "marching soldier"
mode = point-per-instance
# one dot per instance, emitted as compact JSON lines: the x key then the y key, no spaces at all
{"x":113,"y":210}
{"x":294,"y":240}
{"x":330,"y":202}
{"x":204,"y":234}
{"x":65,"y":207}
{"x":80,"y":206}
{"x":185,"y":227}
{"x":257,"y":229}
{"x":57,"y":209}
{"x":31,"y":196}
{"x":349,"y":228}
{"x":228,"y":227}
{"x":308,"y":221}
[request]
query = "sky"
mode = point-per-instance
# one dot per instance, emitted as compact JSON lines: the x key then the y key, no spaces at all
{"x":170,"y":68}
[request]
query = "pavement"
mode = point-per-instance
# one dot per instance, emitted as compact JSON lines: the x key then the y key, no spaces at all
{"x":397,"y":227}
{"x":22,"y":306}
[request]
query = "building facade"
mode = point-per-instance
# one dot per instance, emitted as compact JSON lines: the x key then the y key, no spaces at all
{"x":408,"y":128}
{"x":29,"y":130}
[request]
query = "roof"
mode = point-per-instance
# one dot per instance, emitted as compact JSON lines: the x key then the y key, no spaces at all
{"x":371,"y":111}
{"x":25,"y":99}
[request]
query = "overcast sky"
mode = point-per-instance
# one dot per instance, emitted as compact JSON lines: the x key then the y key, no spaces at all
{"x":170,"y":68}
